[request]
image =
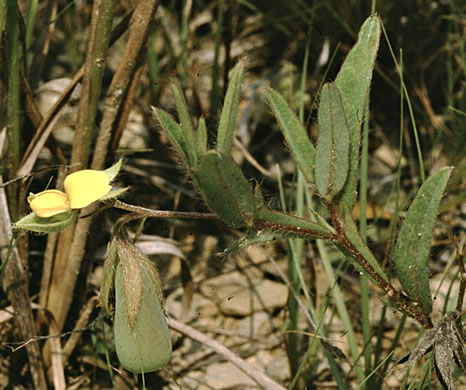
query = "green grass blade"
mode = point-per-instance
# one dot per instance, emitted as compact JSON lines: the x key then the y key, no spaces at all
{"x":31,"y":19}
{"x":3,"y":8}
{"x":404,"y":91}
{"x":215,"y":95}
{"x":184,"y":36}
{"x":295,"y":135}
{"x":153,"y":68}
{"x":413,"y":245}
{"x":340,"y":305}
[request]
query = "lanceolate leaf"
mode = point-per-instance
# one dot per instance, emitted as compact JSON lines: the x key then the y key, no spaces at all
{"x":113,"y":171}
{"x":333,"y":144}
{"x":186,"y":124}
{"x":412,"y":247}
{"x":54,"y":224}
{"x":225,"y":189}
{"x":174,"y":132}
{"x":238,"y":187}
{"x":278,"y":221}
{"x":227,"y":122}
{"x":353,"y":81}
{"x":295,"y":135}
{"x":201,"y":137}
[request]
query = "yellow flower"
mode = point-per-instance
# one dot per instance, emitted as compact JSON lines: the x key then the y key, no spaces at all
{"x":85,"y":187}
{"x":81,"y":189}
{"x":48,"y":203}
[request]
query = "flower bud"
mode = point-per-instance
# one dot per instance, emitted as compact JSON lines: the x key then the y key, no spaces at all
{"x":142,"y":338}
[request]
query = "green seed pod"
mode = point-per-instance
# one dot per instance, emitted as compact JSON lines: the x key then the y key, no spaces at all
{"x":142,"y":339}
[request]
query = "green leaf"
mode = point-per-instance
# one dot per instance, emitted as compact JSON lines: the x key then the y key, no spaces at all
{"x":114,"y":194}
{"x":295,"y":135}
{"x":54,"y":224}
{"x":353,"y":236}
{"x":186,"y":125}
{"x":227,"y":122}
{"x":174,"y":132}
{"x":225,"y":189}
{"x":277,"y":221}
{"x":201,"y":137}
{"x":333,"y":144}
{"x":113,"y":171}
{"x":238,"y":186}
{"x":353,"y":82}
{"x":413,"y":244}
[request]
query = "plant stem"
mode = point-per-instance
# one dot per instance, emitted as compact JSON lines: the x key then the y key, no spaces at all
{"x":339,"y":238}
{"x":145,"y":212}
{"x":13,"y":112}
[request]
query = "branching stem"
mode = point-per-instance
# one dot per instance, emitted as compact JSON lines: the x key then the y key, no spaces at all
{"x":339,"y":238}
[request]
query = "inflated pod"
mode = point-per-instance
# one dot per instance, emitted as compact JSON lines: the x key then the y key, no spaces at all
{"x":142,"y":345}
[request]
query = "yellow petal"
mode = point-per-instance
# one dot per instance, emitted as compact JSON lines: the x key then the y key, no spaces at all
{"x":47,"y":203}
{"x":86,"y":186}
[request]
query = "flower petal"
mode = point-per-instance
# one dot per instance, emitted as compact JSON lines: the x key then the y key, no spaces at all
{"x":86,"y":186}
{"x":48,"y":203}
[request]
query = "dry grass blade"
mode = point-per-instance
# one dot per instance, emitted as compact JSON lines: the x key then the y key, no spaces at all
{"x":117,"y":93}
{"x":71,"y":243}
{"x":69,"y":258}
{"x":16,"y":286}
{"x":43,"y":123}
